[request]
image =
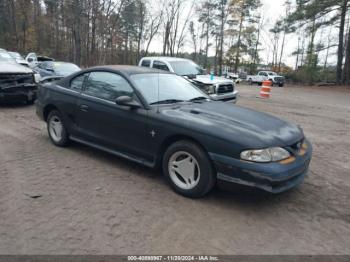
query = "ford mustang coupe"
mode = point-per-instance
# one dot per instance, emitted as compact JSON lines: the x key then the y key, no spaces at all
{"x":159,"y":119}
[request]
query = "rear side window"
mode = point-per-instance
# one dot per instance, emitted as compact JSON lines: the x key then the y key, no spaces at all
{"x":160,"y":65}
{"x":77,"y":83}
{"x":146,"y":63}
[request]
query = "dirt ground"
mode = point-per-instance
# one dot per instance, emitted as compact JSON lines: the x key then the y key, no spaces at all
{"x":82,"y":201}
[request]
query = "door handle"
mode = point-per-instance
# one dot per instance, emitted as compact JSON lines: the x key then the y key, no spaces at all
{"x":84,"y":108}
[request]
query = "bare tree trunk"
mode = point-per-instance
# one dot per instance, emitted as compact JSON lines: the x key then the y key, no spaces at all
{"x":298,"y":53}
{"x":221,"y":39}
{"x":239,"y":43}
{"x":341,"y":41}
{"x":216,"y":55}
{"x":282,"y":50}
{"x":13,"y":18}
{"x":346,"y":73}
{"x":207,"y":41}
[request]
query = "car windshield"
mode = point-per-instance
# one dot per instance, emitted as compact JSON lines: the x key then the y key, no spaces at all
{"x":186,"y":68}
{"x":172,"y":88}
{"x":6,"y":57}
{"x":65,"y":69}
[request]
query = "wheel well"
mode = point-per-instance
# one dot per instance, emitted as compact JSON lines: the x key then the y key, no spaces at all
{"x":47,"y":110}
{"x":171,"y":140}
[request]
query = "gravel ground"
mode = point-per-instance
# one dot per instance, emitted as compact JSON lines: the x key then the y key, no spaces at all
{"x":82,"y":201}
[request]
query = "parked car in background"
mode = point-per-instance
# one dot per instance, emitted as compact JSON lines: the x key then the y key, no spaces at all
{"x":157,"y":118}
{"x":218,"y":88}
{"x":266,"y":75}
{"x":33,"y":59}
{"x":52,"y":71}
{"x":19,"y":59}
{"x":17,"y":83}
{"x":234,"y":77}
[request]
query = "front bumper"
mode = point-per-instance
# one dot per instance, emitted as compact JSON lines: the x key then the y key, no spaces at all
{"x":271,"y":177}
{"x":229,"y":97}
{"x":278,"y":81}
{"x":21,"y":93}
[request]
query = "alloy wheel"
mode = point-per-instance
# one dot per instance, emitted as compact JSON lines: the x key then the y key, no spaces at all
{"x":184,"y":170}
{"x":56,"y":128}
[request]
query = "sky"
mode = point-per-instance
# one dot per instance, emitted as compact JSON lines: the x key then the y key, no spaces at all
{"x":272,"y":10}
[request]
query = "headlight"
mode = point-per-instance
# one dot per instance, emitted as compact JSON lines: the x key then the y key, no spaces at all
{"x":265,"y":155}
{"x":209,"y":89}
{"x":37,"y":78}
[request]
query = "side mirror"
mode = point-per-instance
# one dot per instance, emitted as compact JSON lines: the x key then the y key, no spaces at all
{"x":127,"y":101}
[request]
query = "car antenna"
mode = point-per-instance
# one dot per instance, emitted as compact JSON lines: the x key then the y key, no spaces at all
{"x":158,"y":107}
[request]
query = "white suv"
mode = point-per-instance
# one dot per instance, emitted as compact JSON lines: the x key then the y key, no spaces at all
{"x":218,"y":88}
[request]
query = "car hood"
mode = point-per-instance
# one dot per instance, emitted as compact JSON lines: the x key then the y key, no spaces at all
{"x":13,"y":68}
{"x":250,"y":128}
{"x":206,"y":79}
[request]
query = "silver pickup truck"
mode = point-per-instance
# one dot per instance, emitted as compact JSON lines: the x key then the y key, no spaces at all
{"x":218,"y":88}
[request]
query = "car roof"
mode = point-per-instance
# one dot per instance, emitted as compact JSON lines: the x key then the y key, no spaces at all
{"x":130,"y":70}
{"x":166,"y":58}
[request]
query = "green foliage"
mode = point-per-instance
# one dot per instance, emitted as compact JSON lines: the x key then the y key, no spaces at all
{"x":311,"y":75}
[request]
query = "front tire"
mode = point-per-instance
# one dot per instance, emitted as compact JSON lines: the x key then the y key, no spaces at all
{"x":55,"y":127}
{"x":188,"y":169}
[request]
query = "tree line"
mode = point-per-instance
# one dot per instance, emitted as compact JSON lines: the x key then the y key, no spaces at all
{"x":221,"y":33}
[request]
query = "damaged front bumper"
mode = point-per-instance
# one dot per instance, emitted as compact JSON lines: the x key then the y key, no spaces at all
{"x":19,"y":93}
{"x":17,"y":87}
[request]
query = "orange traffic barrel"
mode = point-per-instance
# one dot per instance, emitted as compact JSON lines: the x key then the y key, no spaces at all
{"x":265,"y":90}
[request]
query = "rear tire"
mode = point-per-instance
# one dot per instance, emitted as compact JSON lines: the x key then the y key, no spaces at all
{"x":55,"y":127}
{"x":250,"y":82}
{"x":281,"y":85}
{"x":188,"y":169}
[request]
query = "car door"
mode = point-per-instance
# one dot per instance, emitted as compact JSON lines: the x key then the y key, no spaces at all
{"x":264,"y":76}
{"x":102,"y":122}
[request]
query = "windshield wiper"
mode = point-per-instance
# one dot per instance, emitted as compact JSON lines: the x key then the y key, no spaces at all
{"x":167,"y":101}
{"x":196,"y":99}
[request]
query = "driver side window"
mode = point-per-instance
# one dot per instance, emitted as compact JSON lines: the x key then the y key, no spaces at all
{"x":108,"y":86}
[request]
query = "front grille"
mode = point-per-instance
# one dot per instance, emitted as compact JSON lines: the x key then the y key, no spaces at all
{"x":223,"y":89}
{"x":279,"y":79}
{"x":10,"y":80}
